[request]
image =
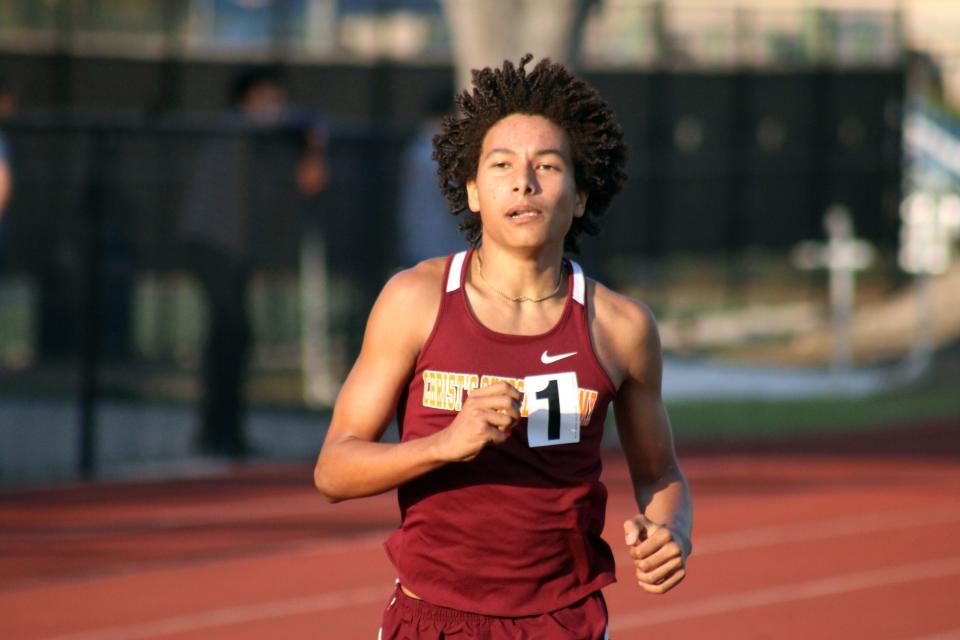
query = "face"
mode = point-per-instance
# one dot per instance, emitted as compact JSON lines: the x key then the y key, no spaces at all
{"x":524,"y":190}
{"x":265,"y":102}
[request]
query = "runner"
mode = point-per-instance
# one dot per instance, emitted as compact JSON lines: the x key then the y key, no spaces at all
{"x":499,"y":363}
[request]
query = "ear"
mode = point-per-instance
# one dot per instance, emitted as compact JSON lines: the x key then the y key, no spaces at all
{"x":473,"y":197}
{"x":580,"y":205}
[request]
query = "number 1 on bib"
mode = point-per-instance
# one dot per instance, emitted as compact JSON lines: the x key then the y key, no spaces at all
{"x":553,"y":409}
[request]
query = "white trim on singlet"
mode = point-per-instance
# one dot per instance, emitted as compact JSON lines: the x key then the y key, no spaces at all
{"x":456,"y":271}
{"x":579,"y":284}
{"x":456,"y":267}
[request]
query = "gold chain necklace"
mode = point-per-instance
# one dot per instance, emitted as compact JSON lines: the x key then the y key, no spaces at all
{"x":518,"y":298}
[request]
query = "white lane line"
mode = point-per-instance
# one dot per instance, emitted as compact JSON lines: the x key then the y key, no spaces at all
{"x":718,"y":543}
{"x":220,"y":560}
{"x":164,"y":518}
{"x":699,"y":608}
{"x":712,"y":544}
{"x":837,"y":527}
{"x":952,"y":634}
{"x":790,"y":592}
{"x":705,"y":545}
{"x":237,"y":615}
{"x":820,"y":530}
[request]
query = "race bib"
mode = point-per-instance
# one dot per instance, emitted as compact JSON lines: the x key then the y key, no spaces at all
{"x":553,"y":409}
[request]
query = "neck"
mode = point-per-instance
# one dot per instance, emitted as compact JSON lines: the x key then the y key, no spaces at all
{"x":524,"y":278}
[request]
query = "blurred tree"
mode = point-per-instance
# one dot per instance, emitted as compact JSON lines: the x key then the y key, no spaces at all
{"x":484,"y":34}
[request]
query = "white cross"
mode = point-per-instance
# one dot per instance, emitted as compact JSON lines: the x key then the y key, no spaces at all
{"x":843,"y":255}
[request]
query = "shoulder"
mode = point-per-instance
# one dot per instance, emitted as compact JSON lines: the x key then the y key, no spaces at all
{"x":409,"y":302}
{"x":420,"y":281}
{"x":624,"y":332}
{"x":414,"y":287}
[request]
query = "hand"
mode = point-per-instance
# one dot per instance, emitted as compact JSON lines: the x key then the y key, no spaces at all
{"x":487,"y":417}
{"x":311,"y":175}
{"x":659,"y":554}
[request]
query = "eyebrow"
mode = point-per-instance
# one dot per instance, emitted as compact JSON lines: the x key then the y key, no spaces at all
{"x":542,"y":152}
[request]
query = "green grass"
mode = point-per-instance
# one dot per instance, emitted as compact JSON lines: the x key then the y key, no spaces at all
{"x":768,"y":419}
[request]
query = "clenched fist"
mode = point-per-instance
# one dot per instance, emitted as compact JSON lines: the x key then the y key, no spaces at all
{"x":659,"y":554}
{"x":487,"y":417}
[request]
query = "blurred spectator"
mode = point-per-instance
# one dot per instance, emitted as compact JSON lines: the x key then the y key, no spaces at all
{"x":242,"y":181}
{"x":924,"y":78}
{"x":427,"y":229}
{"x":7,"y":104}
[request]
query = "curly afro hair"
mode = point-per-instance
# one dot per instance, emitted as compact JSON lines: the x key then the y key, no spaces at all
{"x":551,"y":91}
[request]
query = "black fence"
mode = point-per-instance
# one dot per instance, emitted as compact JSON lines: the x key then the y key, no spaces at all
{"x":719,"y":163}
{"x":98,"y":235}
{"x":725,"y":162}
{"x":100,"y":201}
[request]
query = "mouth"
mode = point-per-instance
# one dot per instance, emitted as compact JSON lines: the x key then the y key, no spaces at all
{"x":523,"y":212}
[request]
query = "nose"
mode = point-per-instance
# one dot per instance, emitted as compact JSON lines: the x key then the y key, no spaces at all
{"x":525,"y":181}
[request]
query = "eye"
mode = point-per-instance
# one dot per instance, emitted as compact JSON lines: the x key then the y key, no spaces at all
{"x":501,"y":164}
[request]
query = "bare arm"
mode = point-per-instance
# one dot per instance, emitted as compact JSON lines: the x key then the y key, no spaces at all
{"x":659,"y":537}
{"x":353,"y":463}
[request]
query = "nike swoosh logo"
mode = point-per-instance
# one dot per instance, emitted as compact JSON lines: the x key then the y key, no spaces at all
{"x":546,"y":358}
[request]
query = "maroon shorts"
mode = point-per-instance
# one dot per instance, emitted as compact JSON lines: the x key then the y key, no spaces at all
{"x":407,"y":618}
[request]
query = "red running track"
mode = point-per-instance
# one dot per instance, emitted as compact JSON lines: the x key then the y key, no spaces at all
{"x":786,"y":547}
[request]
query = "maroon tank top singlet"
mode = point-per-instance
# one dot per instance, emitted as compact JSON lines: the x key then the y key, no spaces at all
{"x":515,"y":531}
